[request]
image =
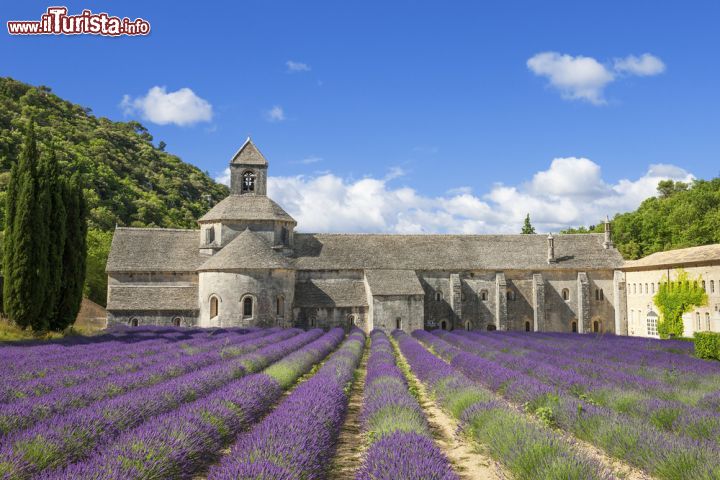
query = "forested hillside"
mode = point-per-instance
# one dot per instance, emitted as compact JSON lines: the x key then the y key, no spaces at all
{"x":680,"y":216}
{"x":128,"y":181}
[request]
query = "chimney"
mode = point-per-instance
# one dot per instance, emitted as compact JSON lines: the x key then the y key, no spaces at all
{"x":551,"y":249}
{"x":608,"y":239}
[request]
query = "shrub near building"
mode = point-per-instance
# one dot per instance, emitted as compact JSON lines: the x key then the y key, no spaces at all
{"x":707,"y":345}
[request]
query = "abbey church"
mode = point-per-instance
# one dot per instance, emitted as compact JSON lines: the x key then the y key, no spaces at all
{"x":247,"y":266}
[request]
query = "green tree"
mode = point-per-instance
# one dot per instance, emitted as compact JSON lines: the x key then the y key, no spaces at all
{"x":98,"y":249}
{"x":74,"y":254}
{"x":527,"y":228}
{"x":51,"y":199}
{"x":25,"y":247}
{"x":675,"y":298}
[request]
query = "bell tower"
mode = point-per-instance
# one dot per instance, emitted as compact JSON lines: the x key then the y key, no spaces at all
{"x":248,"y":171}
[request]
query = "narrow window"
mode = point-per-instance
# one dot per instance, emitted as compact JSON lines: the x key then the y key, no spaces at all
{"x":697,"y":321}
{"x":462,"y":297}
{"x":438,"y":296}
{"x":646,"y":289}
{"x":574,"y":327}
{"x":703,"y":286}
{"x":484,"y":295}
{"x":707,"y":321}
{"x":210,"y":235}
{"x":443,"y":325}
{"x":311,"y":321}
{"x":213,"y":307}
{"x":134,"y":322}
{"x":566,"y":294}
{"x":602,"y":295}
{"x":247,"y":306}
{"x":248,"y":182}
{"x":527,"y":326}
{"x":284,"y":237}
{"x":596,"y":326}
{"x":176,"y":321}
{"x":351,"y":321}
{"x":652,"y":288}
{"x":398,"y":323}
{"x":510,"y":294}
{"x":280,"y":306}
{"x":597,"y":294}
{"x":468,"y":325}
{"x":491,"y":328}
{"x":712,"y":286}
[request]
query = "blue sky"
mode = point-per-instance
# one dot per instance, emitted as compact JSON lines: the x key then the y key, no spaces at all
{"x":437,"y":106}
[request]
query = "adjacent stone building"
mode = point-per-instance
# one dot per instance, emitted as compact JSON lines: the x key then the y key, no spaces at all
{"x":246,"y":265}
{"x":643,"y":279}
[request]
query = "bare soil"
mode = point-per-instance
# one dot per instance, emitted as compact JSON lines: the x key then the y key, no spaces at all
{"x":351,"y":442}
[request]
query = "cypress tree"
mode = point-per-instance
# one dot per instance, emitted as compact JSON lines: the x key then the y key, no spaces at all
{"x":74,"y":254}
{"x":25,"y":249}
{"x":56,"y":222}
{"x":527,"y":228}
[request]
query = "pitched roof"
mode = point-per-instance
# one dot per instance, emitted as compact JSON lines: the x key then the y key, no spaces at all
{"x":330,"y":293}
{"x":246,"y":207}
{"x":149,"y":298}
{"x":451,"y":252}
{"x":394,"y":282}
{"x":246,"y":251}
{"x":248,"y":154}
{"x":154,"y":250}
{"x":702,"y":254}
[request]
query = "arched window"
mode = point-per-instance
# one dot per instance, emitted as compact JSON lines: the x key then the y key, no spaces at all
{"x":602,"y":295}
{"x":527,"y":326}
{"x":176,"y":321}
{"x":697,"y":321}
{"x":484,"y":295}
{"x":398,"y":323}
{"x":707,"y":321}
{"x":352,"y":320}
{"x":573,"y":326}
{"x":248,"y":182}
{"x":284,"y":236}
{"x":491,"y":327}
{"x":443,"y":325}
{"x":214,"y":304}
{"x":510,"y":294}
{"x":652,"y":288}
{"x":311,"y":321}
{"x":247,"y":306}
{"x":438,"y":296}
{"x":596,"y":326}
{"x":280,"y":306}
{"x":134,"y":322}
{"x":634,"y":288}
{"x":703,"y":285}
{"x":468,"y":325}
{"x":566,"y":294}
{"x":646,"y":289}
{"x":712,"y":286}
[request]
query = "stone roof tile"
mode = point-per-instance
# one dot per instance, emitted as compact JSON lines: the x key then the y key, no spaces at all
{"x":246,"y":207}
{"x":246,"y":251}
{"x":394,"y":282}
{"x":330,"y":293}
{"x":151,"y":298}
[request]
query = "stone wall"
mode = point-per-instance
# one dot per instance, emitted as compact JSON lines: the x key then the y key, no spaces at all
{"x":330,"y":317}
{"x":264,"y":286}
{"x":408,"y":310}
{"x":165,"y":318}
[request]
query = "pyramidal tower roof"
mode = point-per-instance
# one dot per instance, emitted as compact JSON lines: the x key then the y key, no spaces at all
{"x":246,"y":251}
{"x":248,"y":154}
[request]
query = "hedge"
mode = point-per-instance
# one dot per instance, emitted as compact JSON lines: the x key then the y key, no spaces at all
{"x":707,"y":345}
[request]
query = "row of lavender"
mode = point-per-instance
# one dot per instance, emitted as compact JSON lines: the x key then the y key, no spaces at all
{"x":527,"y":449}
{"x":25,"y":412}
{"x":182,"y":442}
{"x":659,"y":401}
{"x":400,"y":444}
{"x":73,"y":435}
{"x":554,"y":394}
{"x":296,"y":440}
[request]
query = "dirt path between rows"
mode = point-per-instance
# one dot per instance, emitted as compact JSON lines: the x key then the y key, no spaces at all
{"x":351,"y":442}
{"x":466,"y":457}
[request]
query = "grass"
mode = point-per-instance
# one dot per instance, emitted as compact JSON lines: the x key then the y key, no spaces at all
{"x":9,"y":332}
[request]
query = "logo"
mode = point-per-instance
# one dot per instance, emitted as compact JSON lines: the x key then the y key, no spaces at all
{"x":56,"y":21}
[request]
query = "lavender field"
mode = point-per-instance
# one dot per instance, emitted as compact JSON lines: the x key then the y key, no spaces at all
{"x":157,"y":403}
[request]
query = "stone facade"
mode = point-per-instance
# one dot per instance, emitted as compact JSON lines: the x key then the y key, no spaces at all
{"x":643,"y":278}
{"x":247,"y":266}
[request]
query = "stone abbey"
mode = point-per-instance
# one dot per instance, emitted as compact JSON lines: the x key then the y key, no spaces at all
{"x":247,"y":266}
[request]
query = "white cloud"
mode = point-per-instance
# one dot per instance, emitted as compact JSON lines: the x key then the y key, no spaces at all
{"x":571,"y":192}
{"x":585,"y":78}
{"x":644,"y":65}
{"x":224,"y":177}
{"x":308,"y":160}
{"x":275,"y":114}
{"x":294,"y":67}
{"x":182,"y":107}
{"x":576,"y":77}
